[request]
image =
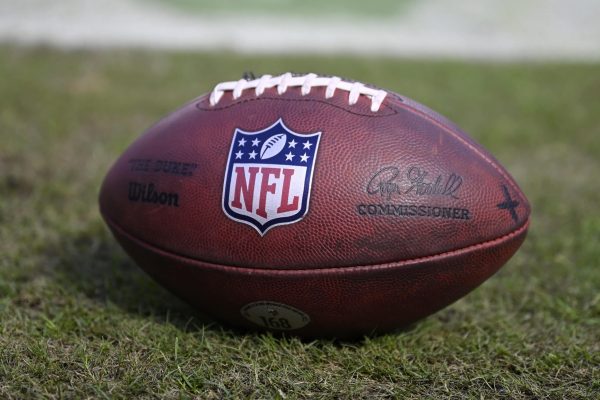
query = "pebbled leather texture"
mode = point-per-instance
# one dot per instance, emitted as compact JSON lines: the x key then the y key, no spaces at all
{"x":352,"y":263}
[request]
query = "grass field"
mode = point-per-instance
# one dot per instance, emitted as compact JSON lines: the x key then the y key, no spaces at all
{"x":79,"y":320}
{"x":306,"y":8}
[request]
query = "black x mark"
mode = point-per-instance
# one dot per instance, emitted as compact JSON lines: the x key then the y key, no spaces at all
{"x":509,"y":204}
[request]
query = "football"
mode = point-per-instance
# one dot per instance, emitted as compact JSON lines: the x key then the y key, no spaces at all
{"x":313,"y":205}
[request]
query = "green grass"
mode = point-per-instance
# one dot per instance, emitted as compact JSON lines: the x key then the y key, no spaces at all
{"x":313,"y":9}
{"x":79,"y":320}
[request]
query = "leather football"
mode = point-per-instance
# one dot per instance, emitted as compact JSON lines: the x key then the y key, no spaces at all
{"x":313,"y":205}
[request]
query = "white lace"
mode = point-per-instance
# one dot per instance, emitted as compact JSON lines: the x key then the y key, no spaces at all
{"x":306,"y":82}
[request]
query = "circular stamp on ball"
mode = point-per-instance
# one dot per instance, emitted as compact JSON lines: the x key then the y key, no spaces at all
{"x":274,"y":315}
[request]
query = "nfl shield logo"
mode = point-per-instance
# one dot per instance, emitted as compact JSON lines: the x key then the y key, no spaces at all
{"x":269,"y":175}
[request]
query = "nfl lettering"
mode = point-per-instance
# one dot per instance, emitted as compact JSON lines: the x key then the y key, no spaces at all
{"x":269,"y":175}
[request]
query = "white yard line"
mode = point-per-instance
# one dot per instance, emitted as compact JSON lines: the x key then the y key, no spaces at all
{"x":481,"y":29}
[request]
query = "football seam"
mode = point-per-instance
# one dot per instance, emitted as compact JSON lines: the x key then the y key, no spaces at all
{"x":391,"y":110}
{"x":473,"y":148}
{"x":304,"y":270}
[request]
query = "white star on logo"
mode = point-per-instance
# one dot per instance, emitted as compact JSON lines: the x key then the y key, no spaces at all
{"x":253,"y":155}
{"x":289,"y":156}
{"x":238,"y":155}
{"x":307,"y":145}
{"x":304,"y":157}
{"x":293,"y":144}
{"x":255,"y":142}
{"x":242,"y":142}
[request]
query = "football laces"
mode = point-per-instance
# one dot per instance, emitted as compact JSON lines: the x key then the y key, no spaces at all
{"x":305,"y":82}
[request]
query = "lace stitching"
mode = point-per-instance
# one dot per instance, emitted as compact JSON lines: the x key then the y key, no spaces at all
{"x":305,"y":82}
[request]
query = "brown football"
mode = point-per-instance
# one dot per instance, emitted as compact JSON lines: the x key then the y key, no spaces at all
{"x":313,"y":205}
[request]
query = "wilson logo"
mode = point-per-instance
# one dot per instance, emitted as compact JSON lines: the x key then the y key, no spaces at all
{"x":147,"y":193}
{"x":268,"y":178}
